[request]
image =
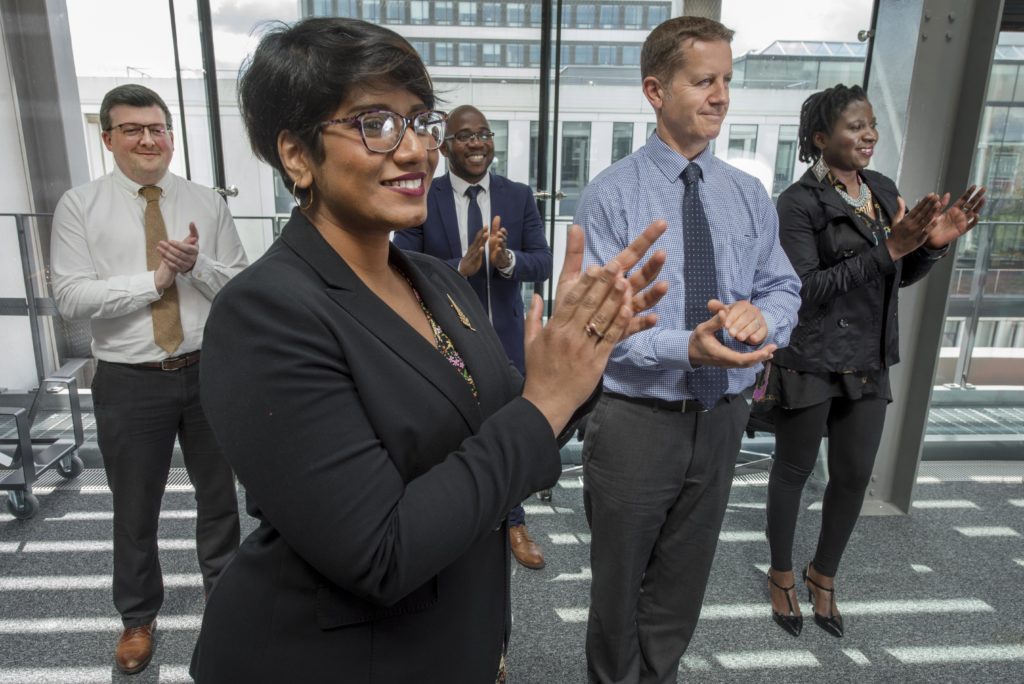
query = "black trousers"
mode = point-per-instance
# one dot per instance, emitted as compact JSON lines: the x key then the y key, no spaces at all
{"x":854,"y":432}
{"x":655,"y":488}
{"x":139,"y":412}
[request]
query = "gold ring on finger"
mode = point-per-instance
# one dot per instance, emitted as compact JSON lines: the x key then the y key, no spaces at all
{"x":592,"y":331}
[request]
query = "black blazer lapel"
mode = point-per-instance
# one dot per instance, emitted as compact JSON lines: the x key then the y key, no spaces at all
{"x":349,"y":292}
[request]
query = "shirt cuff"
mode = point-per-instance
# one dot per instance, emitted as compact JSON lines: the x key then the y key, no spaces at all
{"x":509,"y":270}
{"x":201,"y":269}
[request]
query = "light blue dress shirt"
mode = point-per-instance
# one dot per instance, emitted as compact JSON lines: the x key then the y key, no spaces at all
{"x":646,"y":186}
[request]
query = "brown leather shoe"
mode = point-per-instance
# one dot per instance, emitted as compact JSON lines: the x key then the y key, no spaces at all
{"x":524,"y":548}
{"x":135,"y":648}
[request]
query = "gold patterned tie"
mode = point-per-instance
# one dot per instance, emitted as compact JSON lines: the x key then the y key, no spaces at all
{"x":167,"y":331}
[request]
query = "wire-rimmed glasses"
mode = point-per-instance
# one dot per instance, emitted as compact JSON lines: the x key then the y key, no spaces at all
{"x":465,"y":136}
{"x":382,"y":131}
{"x":134,"y":130}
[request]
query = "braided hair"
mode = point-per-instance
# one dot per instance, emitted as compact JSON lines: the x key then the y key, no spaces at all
{"x":820,"y":112}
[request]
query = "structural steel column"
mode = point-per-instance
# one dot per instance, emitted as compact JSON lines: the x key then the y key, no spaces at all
{"x":929,"y":72}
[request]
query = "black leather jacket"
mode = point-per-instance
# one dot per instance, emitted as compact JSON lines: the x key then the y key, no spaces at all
{"x":849,"y":302}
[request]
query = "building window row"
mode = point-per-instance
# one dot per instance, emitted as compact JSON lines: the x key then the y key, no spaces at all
{"x":593,"y":15}
{"x":463,"y":53}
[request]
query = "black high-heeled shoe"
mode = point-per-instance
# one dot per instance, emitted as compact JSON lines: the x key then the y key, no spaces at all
{"x":833,"y":622}
{"x":792,"y":623}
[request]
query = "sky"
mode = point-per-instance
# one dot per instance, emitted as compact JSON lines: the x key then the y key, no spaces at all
{"x":143,"y":30}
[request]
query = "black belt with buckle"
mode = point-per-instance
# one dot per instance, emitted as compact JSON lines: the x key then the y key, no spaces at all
{"x":172,"y":364}
{"x":681,"y":406}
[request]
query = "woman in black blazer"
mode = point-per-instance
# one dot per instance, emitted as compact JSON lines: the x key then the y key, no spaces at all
{"x":853,"y":244}
{"x":363,"y":399}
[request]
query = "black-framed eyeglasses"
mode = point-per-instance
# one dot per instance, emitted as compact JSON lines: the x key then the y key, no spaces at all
{"x":134,"y":130}
{"x":382,"y":131}
{"x":465,"y":136}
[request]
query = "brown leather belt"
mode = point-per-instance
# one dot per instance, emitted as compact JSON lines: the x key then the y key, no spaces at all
{"x":172,"y":364}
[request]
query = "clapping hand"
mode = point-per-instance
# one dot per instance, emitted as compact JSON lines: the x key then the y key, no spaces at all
{"x":749,"y":325}
{"x":176,"y":256}
{"x":594,"y":310}
{"x":958,"y":218}
{"x":911,"y":229}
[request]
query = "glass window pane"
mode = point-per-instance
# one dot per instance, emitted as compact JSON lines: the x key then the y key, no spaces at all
{"x":632,"y":16}
{"x":575,"y":164}
{"x":656,"y":14}
{"x":1001,"y":82}
{"x":585,"y":16}
{"x":536,"y":13}
{"x":467,"y":13}
{"x":491,"y":13}
{"x":515,"y":55}
{"x":609,"y":16}
{"x":742,"y":141}
{"x":622,"y":140}
{"x":583,"y":54}
{"x":394,"y":12}
{"x":444,"y":53}
{"x":419,"y":11}
{"x":371,"y":11}
{"x":444,"y":13}
{"x":467,"y":54}
{"x":492,"y":54}
{"x":785,"y":159}
{"x":516,"y":12}
{"x":500,"y":130}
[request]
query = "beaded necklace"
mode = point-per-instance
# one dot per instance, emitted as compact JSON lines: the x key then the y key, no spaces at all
{"x":861,"y":201}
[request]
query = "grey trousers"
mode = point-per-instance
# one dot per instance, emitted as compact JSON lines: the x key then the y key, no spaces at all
{"x":655,"y":487}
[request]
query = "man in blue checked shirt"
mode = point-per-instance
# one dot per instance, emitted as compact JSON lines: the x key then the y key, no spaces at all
{"x":661,"y":444}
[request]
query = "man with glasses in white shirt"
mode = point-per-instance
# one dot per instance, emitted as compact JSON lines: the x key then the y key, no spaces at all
{"x":488,"y":228}
{"x":141,"y":253}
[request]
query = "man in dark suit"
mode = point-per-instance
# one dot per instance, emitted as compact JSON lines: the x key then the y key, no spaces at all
{"x":461,"y":206}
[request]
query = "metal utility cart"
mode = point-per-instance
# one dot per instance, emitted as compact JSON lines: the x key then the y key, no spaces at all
{"x":23,"y":458}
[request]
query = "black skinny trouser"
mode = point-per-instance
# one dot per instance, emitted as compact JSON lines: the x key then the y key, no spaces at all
{"x":854,"y":432}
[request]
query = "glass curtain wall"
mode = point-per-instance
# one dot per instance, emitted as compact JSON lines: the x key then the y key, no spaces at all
{"x":978,"y":403}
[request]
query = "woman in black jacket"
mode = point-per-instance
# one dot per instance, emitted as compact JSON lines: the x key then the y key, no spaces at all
{"x":853,"y":244}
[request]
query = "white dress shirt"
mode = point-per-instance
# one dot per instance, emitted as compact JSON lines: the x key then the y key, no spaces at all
{"x":483,"y":199}
{"x":98,"y":262}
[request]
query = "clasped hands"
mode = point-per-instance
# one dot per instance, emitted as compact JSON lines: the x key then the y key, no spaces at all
{"x":930,"y":225}
{"x":176,"y":256}
{"x":493,"y":241}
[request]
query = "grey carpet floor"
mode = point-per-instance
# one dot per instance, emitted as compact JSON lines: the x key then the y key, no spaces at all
{"x":932,"y":597}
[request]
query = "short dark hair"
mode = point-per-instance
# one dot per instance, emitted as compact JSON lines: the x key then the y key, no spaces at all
{"x":662,"y":55}
{"x":819,"y":114}
{"x":300,"y":74}
{"x":132,"y":95}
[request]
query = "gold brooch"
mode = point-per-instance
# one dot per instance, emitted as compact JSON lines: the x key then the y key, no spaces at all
{"x":462,"y":316}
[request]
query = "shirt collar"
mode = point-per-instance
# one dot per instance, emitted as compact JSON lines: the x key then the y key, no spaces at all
{"x":459,"y":185}
{"x":132,"y":187}
{"x":671,"y":163}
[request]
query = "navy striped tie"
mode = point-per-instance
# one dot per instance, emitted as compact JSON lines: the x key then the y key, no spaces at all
{"x":700,"y":278}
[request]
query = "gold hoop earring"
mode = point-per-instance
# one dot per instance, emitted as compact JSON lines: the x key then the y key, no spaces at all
{"x":299,"y":204}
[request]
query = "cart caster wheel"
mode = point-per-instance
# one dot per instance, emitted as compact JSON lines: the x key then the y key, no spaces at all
{"x":22,"y":506}
{"x":73,"y":468}
{"x":544,"y":495}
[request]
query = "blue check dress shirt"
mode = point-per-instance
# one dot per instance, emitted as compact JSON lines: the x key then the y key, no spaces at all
{"x":646,"y":186}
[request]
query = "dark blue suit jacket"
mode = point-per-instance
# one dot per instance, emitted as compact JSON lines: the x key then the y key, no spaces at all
{"x":439,"y":237}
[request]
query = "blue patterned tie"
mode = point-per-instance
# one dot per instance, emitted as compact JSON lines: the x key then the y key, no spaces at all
{"x":474,"y":219}
{"x":707,"y":383}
